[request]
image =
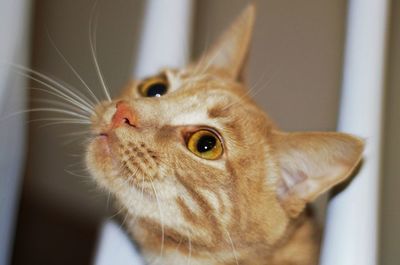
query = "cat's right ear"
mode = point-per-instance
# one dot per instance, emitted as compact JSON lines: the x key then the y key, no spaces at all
{"x":230,"y":51}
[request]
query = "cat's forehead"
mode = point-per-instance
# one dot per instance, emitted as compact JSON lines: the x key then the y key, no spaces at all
{"x":200,"y":81}
{"x":194,"y":97}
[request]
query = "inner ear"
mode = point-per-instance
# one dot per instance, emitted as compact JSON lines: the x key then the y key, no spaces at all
{"x":311,"y":163}
{"x":229,"y":52}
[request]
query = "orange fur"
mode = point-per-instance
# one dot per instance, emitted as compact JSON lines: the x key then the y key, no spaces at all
{"x":246,"y":207}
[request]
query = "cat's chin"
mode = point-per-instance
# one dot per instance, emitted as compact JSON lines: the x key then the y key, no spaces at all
{"x":100,"y":160}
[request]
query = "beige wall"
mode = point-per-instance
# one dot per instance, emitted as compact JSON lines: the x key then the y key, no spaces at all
{"x":294,"y":68}
{"x":296,"y":56}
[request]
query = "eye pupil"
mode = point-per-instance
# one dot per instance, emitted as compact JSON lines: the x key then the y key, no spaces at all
{"x":156,"y":90}
{"x":206,"y":143}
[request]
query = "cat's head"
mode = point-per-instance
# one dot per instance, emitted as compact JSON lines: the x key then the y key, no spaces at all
{"x":188,"y":152}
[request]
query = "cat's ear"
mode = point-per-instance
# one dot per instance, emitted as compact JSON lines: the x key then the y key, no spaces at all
{"x":312,"y":163}
{"x":229,"y":53}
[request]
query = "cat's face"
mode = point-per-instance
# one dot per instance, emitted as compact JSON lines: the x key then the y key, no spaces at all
{"x":188,"y":154}
{"x":203,"y":136}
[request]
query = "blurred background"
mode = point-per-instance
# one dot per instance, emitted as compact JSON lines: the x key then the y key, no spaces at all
{"x":295,"y":65}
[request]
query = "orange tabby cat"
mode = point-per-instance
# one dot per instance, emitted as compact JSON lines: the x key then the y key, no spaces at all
{"x":204,"y":176}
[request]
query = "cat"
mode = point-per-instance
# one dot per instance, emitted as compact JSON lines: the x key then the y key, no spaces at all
{"x":203,"y":175}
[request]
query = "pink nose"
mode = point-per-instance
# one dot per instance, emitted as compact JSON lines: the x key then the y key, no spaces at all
{"x":123,"y":115}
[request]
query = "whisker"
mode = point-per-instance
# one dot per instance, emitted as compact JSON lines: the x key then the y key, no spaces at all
{"x":108,"y":199}
{"x":84,"y":141}
{"x":74,"y":100}
{"x":60,"y":104}
{"x":177,"y":247}
{"x":141,"y":197}
{"x":72,"y":68}
{"x":76,"y":136}
{"x":55,"y":110}
{"x":271,"y":76}
{"x":94,"y":17}
{"x":161,"y":218}
{"x":77,"y":175}
{"x":119,"y":211}
{"x":122,"y":208}
{"x":72,"y":134}
{"x":73,"y":139}
{"x":57,"y":119}
{"x":52,"y":84}
{"x":252,"y":90}
{"x":233,"y":247}
{"x":63,"y":98}
{"x":63,"y":122}
{"x":134,"y":221}
{"x":80,"y":94}
{"x":96,"y":63}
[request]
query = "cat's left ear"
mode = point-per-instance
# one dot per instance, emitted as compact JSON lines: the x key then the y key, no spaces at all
{"x":230,"y":51}
{"x":311,"y":163}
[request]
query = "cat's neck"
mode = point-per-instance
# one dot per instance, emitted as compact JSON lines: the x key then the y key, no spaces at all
{"x":299,"y":247}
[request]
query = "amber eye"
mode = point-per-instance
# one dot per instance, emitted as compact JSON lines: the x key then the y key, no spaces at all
{"x":154,"y":87}
{"x":205,"y":144}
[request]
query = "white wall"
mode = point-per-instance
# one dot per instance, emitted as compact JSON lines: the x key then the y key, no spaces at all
{"x":14,"y":45}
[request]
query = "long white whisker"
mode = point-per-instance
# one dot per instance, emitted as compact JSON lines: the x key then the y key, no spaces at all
{"x":252,"y":91}
{"x":52,"y":83}
{"x":75,"y":174}
{"x":141,"y":196}
{"x":56,"y":110}
{"x":96,"y":63}
{"x":130,"y":201}
{"x":256,"y":87}
{"x":81,"y":103}
{"x":64,"y":122}
{"x":89,"y":111}
{"x":94,"y":21}
{"x":108,"y":198}
{"x":127,"y":184}
{"x":177,"y":247}
{"x":161,"y":218}
{"x":60,"y":104}
{"x":233,"y":247}
{"x":72,"y":68}
{"x":80,"y":94}
{"x":60,"y":119}
{"x":73,"y":134}
{"x":134,"y":220}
